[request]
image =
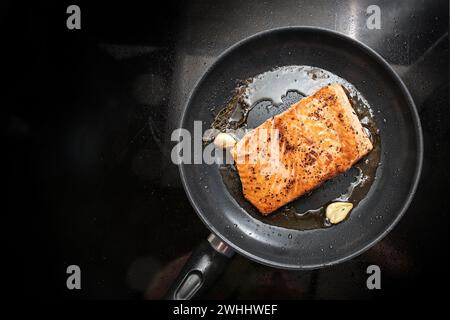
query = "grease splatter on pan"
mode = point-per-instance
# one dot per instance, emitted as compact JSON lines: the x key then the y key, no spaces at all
{"x":270,"y":93}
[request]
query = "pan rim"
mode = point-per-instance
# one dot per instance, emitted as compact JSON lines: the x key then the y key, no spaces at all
{"x":417,"y":128}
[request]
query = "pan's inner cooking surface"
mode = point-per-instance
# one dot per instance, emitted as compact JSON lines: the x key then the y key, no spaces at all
{"x":270,"y":93}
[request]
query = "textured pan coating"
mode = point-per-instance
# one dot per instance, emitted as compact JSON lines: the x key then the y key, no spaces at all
{"x":294,"y":152}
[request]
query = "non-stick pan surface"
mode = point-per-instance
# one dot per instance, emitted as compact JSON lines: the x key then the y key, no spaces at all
{"x":396,"y":178}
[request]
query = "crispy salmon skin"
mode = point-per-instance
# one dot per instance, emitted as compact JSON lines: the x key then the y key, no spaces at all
{"x":294,"y":152}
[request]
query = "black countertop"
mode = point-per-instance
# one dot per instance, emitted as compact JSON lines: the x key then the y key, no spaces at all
{"x":87,"y":120}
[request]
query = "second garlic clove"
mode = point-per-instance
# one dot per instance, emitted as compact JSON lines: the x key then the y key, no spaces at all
{"x":338,"y":211}
{"x":224,"y":140}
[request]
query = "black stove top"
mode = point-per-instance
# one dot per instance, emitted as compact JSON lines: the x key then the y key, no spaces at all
{"x":87,"y":121}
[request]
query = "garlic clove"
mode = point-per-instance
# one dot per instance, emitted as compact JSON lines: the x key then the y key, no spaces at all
{"x":338,"y":211}
{"x":224,"y":140}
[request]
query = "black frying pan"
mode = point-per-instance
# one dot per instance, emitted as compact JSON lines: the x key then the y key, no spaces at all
{"x":235,"y":230}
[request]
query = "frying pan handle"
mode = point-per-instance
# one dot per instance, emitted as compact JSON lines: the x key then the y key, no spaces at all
{"x":206,"y":263}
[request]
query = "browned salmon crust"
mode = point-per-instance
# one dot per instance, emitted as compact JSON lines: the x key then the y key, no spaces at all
{"x":318,"y":138}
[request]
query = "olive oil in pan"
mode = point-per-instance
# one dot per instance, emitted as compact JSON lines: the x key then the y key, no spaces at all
{"x":270,"y":93}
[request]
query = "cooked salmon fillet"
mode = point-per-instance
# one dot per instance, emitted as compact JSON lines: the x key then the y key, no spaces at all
{"x":314,"y":140}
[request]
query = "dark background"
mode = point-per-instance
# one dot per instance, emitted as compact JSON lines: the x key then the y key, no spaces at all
{"x":87,"y":116}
